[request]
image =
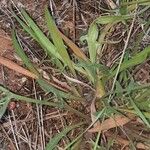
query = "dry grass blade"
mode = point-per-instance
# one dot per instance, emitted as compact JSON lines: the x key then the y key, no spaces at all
{"x":78,"y":82}
{"x":111,"y":4}
{"x":73,"y":47}
{"x":57,"y":86}
{"x":116,"y":121}
{"x":11,"y":65}
{"x":61,"y":83}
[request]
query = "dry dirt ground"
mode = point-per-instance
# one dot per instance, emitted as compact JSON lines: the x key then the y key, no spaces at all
{"x":23,"y":119}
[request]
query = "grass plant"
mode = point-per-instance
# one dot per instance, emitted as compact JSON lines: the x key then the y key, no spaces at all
{"x":125,"y":96}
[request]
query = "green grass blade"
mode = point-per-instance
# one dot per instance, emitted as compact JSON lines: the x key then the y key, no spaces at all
{"x":36,"y":101}
{"x":40,"y":35}
{"x":93,"y":32}
{"x":60,"y":94}
{"x":92,"y":41}
{"x":83,"y":71}
{"x":33,"y":35}
{"x":55,"y":140}
{"x":25,"y":27}
{"x":28,"y":30}
{"x":58,"y":42}
{"x":47,"y":87}
{"x":138,"y":111}
{"x":135,"y":60}
{"x":22,"y":54}
{"x":60,"y":105}
{"x":111,"y":19}
{"x":3,"y":105}
{"x":96,"y":142}
{"x":140,"y":2}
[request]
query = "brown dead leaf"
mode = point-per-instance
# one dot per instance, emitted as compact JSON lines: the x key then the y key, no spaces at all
{"x":11,"y":65}
{"x":117,"y":120}
{"x":111,"y":4}
{"x":77,"y":51}
{"x":62,"y":84}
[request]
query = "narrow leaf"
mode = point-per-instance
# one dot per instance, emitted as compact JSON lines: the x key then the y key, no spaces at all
{"x":11,"y":65}
{"x":33,"y":35}
{"x":40,"y":35}
{"x":22,"y":54}
{"x":92,"y":41}
{"x":77,"y":51}
{"x":58,"y":42}
{"x":3,"y":105}
{"x":135,"y":60}
{"x":117,"y":120}
{"x":48,"y":87}
{"x":111,"y":19}
{"x":61,"y":94}
{"x":138,"y":111}
{"x":55,"y":140}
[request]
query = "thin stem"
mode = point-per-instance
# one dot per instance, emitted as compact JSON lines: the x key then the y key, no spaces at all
{"x":43,"y":102}
{"x":122,"y":56}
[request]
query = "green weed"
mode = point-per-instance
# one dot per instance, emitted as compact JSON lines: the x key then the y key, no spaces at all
{"x":130,"y":96}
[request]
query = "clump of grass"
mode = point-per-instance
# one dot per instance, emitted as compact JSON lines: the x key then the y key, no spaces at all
{"x":134,"y":97}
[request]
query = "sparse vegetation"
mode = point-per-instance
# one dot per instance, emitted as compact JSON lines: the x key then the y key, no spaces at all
{"x":109,"y":95}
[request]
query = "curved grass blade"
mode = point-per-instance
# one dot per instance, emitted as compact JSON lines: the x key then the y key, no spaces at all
{"x":14,"y":66}
{"x":40,"y":35}
{"x":76,"y":50}
{"x":55,"y":140}
{"x":33,"y":35}
{"x":22,"y":54}
{"x":47,"y":87}
{"x":3,"y":105}
{"x":139,"y":113}
{"x":93,"y":33}
{"x":101,"y":37}
{"x":57,"y":40}
{"x":135,"y":60}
